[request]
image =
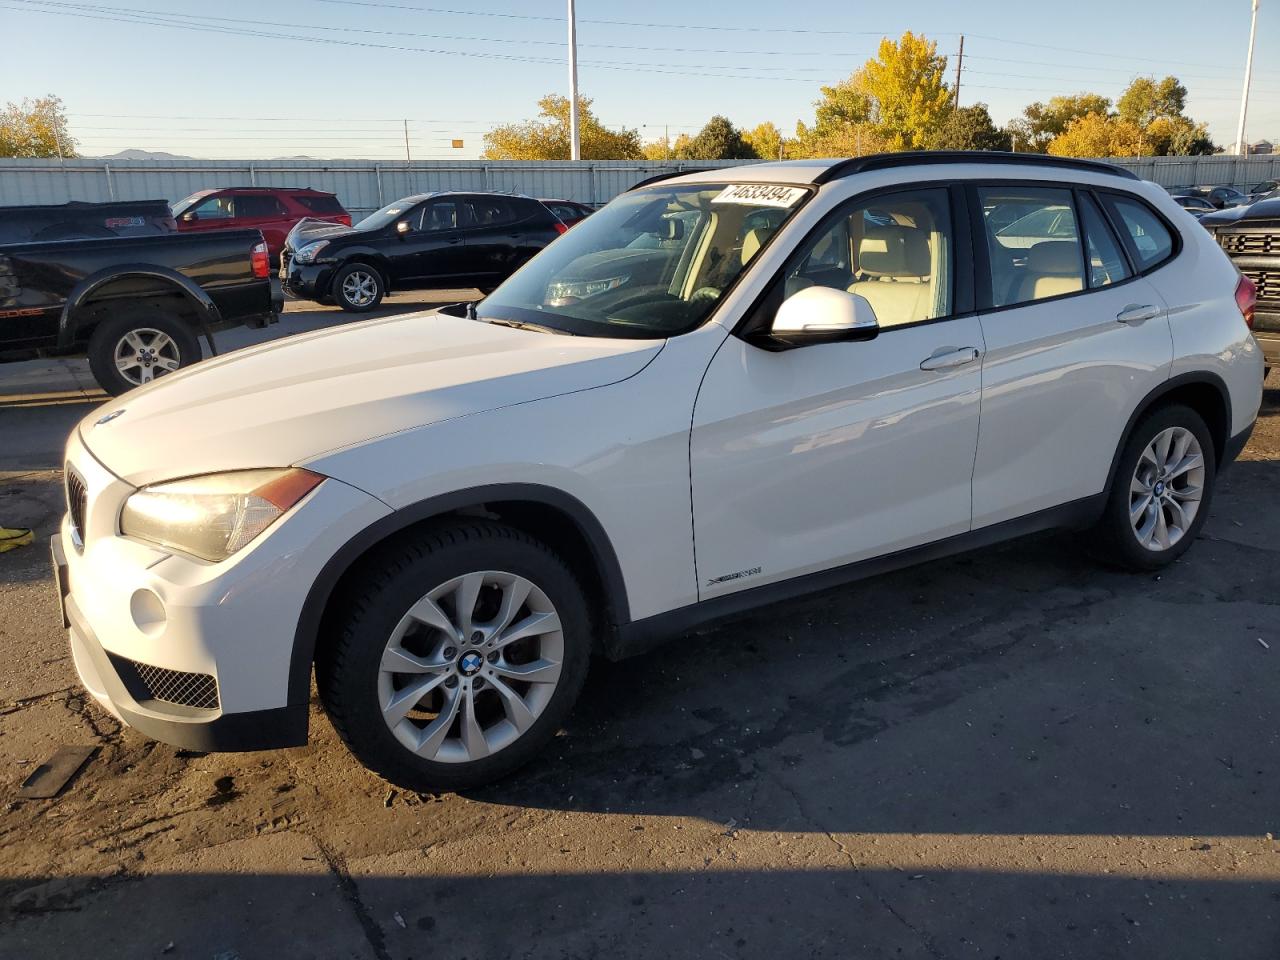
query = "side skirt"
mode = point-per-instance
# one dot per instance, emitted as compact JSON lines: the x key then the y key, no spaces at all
{"x":640,"y":635}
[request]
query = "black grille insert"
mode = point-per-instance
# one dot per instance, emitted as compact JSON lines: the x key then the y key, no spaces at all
{"x":1263,"y":243}
{"x":147,"y":682}
{"x":1267,"y":282}
{"x":77,"y":498}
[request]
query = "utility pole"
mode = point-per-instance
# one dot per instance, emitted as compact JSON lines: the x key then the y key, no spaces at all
{"x":960,"y":66}
{"x":575,"y":144}
{"x":1242,"y":148}
{"x":407,"y":158}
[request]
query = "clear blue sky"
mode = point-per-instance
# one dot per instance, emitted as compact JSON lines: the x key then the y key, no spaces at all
{"x":454,"y":68}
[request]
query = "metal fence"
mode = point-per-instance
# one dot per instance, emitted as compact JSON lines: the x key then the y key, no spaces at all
{"x":366,"y":185}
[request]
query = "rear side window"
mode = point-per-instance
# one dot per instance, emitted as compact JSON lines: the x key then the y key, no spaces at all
{"x":322,"y":203}
{"x":491,"y":211}
{"x":1151,"y":241}
{"x":1033,"y":243}
{"x":1106,"y":259}
{"x":254,"y":205}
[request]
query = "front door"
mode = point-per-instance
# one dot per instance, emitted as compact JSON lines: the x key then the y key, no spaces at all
{"x":817,"y":456}
{"x":432,"y":252}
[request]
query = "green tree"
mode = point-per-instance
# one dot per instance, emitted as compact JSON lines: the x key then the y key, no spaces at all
{"x":717,"y":140}
{"x":767,"y":141}
{"x":1041,"y":122}
{"x":547,"y":138}
{"x":970,"y":128}
{"x":35,"y":128}
{"x":1146,"y":100}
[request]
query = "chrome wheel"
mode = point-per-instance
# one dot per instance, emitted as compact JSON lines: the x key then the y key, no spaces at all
{"x":1167,"y":485}
{"x":143,"y":354}
{"x":471,"y":666}
{"x":360,"y":288}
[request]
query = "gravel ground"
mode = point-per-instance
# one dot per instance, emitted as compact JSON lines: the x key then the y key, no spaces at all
{"x":1013,"y":753}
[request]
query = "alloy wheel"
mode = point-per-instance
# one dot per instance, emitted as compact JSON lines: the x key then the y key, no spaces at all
{"x":359,"y":288}
{"x":145,"y":353}
{"x":471,"y":666}
{"x":1166,"y":489}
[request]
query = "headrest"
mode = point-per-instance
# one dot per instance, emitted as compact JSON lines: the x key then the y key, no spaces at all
{"x":1057,"y":258}
{"x":753,"y":241}
{"x":894,"y":252}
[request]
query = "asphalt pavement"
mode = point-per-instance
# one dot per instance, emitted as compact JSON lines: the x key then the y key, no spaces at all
{"x":1013,"y":753}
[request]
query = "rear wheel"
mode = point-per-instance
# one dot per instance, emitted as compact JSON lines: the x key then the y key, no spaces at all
{"x":136,"y":344}
{"x":1161,"y":492}
{"x":457,"y":658}
{"x":358,"y":288}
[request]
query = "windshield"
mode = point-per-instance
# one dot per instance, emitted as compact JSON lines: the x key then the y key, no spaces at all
{"x":653,"y":263}
{"x":380,"y":218}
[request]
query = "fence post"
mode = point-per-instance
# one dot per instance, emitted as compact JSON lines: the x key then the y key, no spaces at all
{"x":595,"y":190}
{"x":377,"y":173}
{"x":487,"y":183}
{"x":253,"y":176}
{"x":111,"y":187}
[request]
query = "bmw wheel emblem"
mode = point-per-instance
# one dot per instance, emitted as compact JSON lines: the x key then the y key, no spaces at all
{"x":470,"y":663}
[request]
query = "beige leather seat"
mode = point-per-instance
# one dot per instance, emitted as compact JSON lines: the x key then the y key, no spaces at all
{"x":1053,"y":268}
{"x":893,"y":270}
{"x":753,"y":241}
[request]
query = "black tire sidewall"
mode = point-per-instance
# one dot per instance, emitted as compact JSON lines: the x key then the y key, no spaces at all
{"x":1119,"y":541}
{"x":107,"y":333}
{"x":347,"y":677}
{"x":343,"y":273}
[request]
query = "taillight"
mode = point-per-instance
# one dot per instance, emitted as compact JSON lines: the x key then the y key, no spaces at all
{"x":1246,"y":299}
{"x":560,"y":227}
{"x":259,"y":261}
{"x":344,"y":219}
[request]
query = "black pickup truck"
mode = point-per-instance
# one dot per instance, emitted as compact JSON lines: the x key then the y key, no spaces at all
{"x":135,"y":296}
{"x":1251,"y":238}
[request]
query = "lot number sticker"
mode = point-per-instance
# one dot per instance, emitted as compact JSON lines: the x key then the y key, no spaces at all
{"x":760,"y":195}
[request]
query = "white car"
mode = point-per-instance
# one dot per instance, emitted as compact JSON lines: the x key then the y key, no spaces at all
{"x":724,"y":389}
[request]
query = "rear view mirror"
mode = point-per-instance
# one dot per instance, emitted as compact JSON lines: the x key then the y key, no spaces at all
{"x":402,"y":227}
{"x":823,"y":315}
{"x":672,"y":229}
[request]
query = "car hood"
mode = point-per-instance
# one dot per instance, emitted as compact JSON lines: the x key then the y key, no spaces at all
{"x":286,"y":402}
{"x":309,"y":229}
{"x":1261,"y":213}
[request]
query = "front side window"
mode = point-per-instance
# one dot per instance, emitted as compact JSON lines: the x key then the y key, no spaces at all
{"x":215,"y":208}
{"x":653,"y":263}
{"x":1152,"y":242}
{"x":894,"y":251}
{"x":439,"y":215}
{"x":1033,"y":243}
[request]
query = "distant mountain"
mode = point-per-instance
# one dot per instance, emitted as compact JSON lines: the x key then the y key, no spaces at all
{"x":146,"y":155}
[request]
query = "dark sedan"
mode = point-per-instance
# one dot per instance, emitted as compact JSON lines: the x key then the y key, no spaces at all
{"x":426,"y":241}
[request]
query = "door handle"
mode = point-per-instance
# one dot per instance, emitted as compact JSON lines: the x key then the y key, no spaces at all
{"x":950,"y":357}
{"x":1135,"y":314}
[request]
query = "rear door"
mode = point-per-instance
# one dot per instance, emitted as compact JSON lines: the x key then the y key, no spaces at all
{"x":502,"y":233}
{"x":262,"y":211}
{"x":1075,"y":337}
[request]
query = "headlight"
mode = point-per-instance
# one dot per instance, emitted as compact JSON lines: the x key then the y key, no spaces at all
{"x":213,"y":516}
{"x":565,"y":292}
{"x":308,"y":252}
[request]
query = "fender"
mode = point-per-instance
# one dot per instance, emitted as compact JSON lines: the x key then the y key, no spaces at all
{"x":206,"y":309}
{"x":602,"y":553}
{"x":1196,"y":378}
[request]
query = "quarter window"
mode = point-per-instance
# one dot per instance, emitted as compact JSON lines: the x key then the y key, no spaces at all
{"x":896,"y":252}
{"x":1033,"y":244}
{"x":1152,"y":242}
{"x":1106,"y":260}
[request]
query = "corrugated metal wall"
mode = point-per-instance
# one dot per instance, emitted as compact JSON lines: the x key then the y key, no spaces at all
{"x":365,"y":185}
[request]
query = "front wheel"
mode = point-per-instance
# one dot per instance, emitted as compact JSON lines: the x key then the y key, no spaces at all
{"x":1161,"y":492}
{"x":458,"y":657}
{"x":137,"y":344}
{"x":358,"y":288}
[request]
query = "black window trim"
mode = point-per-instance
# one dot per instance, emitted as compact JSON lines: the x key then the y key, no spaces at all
{"x":757,"y":318}
{"x":1110,"y":228}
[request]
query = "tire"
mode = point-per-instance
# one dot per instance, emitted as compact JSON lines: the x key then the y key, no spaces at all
{"x":369,"y":702}
{"x":1152,"y":537}
{"x":137,"y":343}
{"x":358,"y":288}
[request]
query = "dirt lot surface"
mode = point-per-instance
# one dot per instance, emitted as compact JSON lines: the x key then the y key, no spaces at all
{"x":1010,"y":754}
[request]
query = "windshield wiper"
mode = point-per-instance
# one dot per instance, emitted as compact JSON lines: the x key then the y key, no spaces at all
{"x":521,"y":325}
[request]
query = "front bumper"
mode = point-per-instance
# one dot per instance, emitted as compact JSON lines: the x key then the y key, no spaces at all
{"x":193,"y":653}
{"x":310,"y":281}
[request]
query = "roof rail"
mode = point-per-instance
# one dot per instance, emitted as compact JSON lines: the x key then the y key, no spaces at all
{"x":664,"y":176}
{"x":885,"y":161}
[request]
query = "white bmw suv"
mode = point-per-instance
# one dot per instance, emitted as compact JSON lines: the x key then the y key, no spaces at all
{"x":724,"y":389}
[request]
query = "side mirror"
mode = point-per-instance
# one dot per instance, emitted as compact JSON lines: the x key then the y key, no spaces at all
{"x":190,"y":217}
{"x":823,"y":315}
{"x":402,"y":227}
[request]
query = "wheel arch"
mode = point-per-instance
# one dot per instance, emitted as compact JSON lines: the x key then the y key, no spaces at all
{"x":154,"y":279}
{"x":1204,"y":392}
{"x":366,"y":258}
{"x":556,"y":518}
